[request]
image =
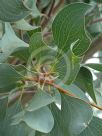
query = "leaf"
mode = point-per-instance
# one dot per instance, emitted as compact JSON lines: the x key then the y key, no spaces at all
{"x":6,"y":129}
{"x":94,"y":128}
{"x":40,"y":99}
{"x":8,"y":76}
{"x":32,"y":4}
{"x":23,"y":25}
{"x":98,"y":98}
{"x":67,"y":66}
{"x":40,"y":50}
{"x":95,"y":66}
{"x":85,"y":81}
{"x":13,"y":10}
{"x":69,"y":26}
{"x":22,"y":53}
{"x":44,"y":3}
{"x":21,"y":69}
{"x":1,"y":30}
{"x":41,"y":120}
{"x":9,"y":42}
{"x":36,"y":42}
{"x":73,"y":117}
{"x":57,"y":129}
{"x":3,"y":106}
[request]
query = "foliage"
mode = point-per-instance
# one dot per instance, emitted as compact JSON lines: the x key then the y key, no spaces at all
{"x":46,"y":86}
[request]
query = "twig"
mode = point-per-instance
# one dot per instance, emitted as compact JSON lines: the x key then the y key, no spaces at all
{"x":61,"y":2}
{"x":21,"y":34}
{"x":67,"y":92}
{"x":46,"y":20}
{"x":95,"y":46}
{"x":96,"y":21}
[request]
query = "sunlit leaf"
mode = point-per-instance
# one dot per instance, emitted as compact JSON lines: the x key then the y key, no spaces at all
{"x":68,"y":27}
{"x":95,"y":66}
{"x":23,"y":25}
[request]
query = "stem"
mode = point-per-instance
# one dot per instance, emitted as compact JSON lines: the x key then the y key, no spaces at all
{"x":61,"y":2}
{"x":67,"y":92}
{"x":95,"y":46}
{"x":46,"y":20}
{"x":96,"y":21}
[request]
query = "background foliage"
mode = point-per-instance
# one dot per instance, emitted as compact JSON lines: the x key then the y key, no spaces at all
{"x":48,"y":87}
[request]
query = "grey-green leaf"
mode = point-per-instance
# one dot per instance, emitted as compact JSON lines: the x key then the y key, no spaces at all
{"x":75,"y":115}
{"x":13,"y":10}
{"x":6,"y":129}
{"x":40,"y":50}
{"x":72,"y":119}
{"x":85,"y":81}
{"x":36,"y":42}
{"x":8,"y":76}
{"x":32,"y":4}
{"x":41,"y":120}
{"x":67,"y":66}
{"x":24,"y":25}
{"x":94,"y":128}
{"x":40,"y":99}
{"x":3,"y":106}
{"x":9,"y":43}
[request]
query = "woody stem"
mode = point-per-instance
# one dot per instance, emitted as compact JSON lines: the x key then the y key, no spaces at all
{"x":67,"y":92}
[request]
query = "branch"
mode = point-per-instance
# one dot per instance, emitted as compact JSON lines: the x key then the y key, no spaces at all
{"x":96,"y":21}
{"x":67,"y":92}
{"x":46,"y":20}
{"x":95,"y":46}
{"x":61,"y":2}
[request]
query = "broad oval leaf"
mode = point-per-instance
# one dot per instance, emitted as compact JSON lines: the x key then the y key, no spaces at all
{"x":94,"y":128}
{"x":32,"y":4}
{"x":36,"y":42}
{"x":95,"y":66}
{"x":72,"y":119}
{"x":41,"y":99}
{"x":6,"y":129}
{"x":85,"y":81}
{"x":8,"y":76}
{"x":41,"y":120}
{"x":3,"y":106}
{"x":39,"y":50}
{"x":9,"y":43}
{"x":13,"y":10}
{"x":69,"y":26}
{"x":23,"y":25}
{"x":75,"y":115}
{"x":67,"y":66}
